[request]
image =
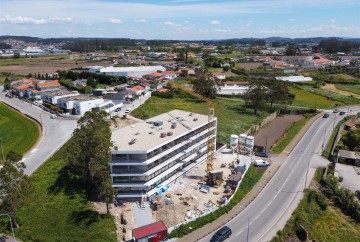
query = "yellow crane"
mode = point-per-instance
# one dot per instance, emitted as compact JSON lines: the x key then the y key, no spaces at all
{"x":211,"y":111}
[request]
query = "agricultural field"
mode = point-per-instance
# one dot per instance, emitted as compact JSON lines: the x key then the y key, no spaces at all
{"x":46,"y":64}
{"x":233,"y":118}
{"x":59,"y":209}
{"x":17,"y":132}
{"x":307,"y":99}
{"x":355,"y":88}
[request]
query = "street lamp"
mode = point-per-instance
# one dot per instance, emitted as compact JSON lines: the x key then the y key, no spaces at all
{"x":12,"y":229}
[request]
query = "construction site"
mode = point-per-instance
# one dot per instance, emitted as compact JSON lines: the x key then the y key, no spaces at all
{"x":193,"y":189}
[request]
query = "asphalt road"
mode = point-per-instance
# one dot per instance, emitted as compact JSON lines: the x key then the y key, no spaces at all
{"x":55,"y":132}
{"x":273,"y":206}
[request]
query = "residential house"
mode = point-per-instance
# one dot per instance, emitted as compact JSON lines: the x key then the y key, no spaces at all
{"x":52,"y":97}
{"x":219,"y":75}
{"x":170,"y":75}
{"x":153,"y":76}
{"x":136,"y":90}
{"x":19,"y":87}
{"x":44,"y":85}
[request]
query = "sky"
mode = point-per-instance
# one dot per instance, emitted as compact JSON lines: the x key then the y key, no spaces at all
{"x":180,"y":19}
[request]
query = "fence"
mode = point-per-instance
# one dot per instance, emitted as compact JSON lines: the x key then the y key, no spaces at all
{"x":266,"y":120}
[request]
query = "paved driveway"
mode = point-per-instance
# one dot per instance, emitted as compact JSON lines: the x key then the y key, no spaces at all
{"x":351,"y":178}
{"x":55,"y":132}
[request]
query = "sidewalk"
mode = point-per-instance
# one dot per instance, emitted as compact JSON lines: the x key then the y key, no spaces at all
{"x":215,"y":225}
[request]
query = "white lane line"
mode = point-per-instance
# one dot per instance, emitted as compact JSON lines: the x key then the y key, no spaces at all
{"x":34,"y":150}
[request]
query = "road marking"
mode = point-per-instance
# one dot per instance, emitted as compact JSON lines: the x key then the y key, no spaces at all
{"x":34,"y":150}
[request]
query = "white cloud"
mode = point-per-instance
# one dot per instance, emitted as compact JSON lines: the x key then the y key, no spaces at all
{"x":291,"y":20}
{"x":215,"y":22}
{"x":332,"y":20}
{"x":29,"y":20}
{"x":115,"y":21}
{"x":169,"y":23}
{"x":222,"y":30}
{"x":140,"y":21}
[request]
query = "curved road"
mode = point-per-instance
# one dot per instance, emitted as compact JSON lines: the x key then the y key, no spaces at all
{"x":55,"y":132}
{"x":270,"y":210}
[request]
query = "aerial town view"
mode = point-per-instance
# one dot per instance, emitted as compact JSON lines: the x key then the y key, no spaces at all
{"x":179,"y":120}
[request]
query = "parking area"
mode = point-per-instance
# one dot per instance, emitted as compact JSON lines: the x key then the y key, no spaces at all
{"x":350,"y":175}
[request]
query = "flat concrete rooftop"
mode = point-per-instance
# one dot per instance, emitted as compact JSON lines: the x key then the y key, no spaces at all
{"x":146,"y":135}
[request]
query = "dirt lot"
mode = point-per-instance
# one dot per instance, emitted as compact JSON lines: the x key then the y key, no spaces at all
{"x":48,"y":66}
{"x":271,"y":133}
{"x":249,"y":65}
{"x":187,"y":201}
{"x":332,"y":87}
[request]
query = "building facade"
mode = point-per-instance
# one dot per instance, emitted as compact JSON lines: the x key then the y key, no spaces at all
{"x":150,"y":154}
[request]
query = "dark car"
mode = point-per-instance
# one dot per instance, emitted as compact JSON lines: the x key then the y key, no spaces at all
{"x":342,"y":113}
{"x":117,"y":110}
{"x":326,"y":115}
{"x":357,"y":193}
{"x":222,"y":234}
{"x":335,"y":110}
{"x":262,"y":154}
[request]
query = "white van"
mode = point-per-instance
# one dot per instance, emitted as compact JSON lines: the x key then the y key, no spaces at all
{"x":128,"y":110}
{"x":261,"y":163}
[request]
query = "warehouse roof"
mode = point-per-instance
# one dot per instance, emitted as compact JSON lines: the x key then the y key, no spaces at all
{"x":132,"y":68}
{"x":146,"y":135}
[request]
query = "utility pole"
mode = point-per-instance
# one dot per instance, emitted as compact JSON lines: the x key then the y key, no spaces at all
{"x":248,"y":230}
{"x":12,"y":228}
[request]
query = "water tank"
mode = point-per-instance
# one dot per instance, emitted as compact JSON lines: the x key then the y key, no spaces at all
{"x":242,"y":139}
{"x":234,"y":140}
{"x":250,"y":142}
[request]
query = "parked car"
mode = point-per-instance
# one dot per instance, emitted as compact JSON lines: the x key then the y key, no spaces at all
{"x":222,"y":234}
{"x":336,"y":110}
{"x":53,"y":116}
{"x":342,"y":113}
{"x":262,"y":154}
{"x":128,"y":110}
{"x":326,"y":115}
{"x":261,"y":163}
{"x":357,"y":193}
{"x":117,"y":109}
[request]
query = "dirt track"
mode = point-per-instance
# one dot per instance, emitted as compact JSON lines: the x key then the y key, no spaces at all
{"x":271,"y":133}
{"x":332,"y":88}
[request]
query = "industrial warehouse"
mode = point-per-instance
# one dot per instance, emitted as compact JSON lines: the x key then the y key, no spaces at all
{"x":157,"y":151}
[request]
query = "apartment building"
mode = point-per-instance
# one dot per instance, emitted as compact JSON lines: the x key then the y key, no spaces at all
{"x":157,"y":151}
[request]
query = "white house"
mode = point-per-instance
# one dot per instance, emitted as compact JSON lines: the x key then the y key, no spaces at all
{"x":169,"y":75}
{"x":52,"y":97}
{"x":219,"y":75}
{"x":81,"y":104}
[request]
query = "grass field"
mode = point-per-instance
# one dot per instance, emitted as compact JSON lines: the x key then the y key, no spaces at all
{"x":292,"y":131}
{"x":18,"y":133}
{"x":355,"y":88}
{"x":307,"y":99}
{"x":232,"y":117}
{"x":322,"y":225}
{"x":58,"y":209}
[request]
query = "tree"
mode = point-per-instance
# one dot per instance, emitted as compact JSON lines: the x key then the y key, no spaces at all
{"x":89,"y":154}
{"x":205,"y":83}
{"x":14,"y":156}
{"x":291,"y":50}
{"x":256,"y":96}
{"x":92,"y":82}
{"x":7,"y":84}
{"x":278,"y":92}
{"x":352,"y":140}
{"x":15,"y":186}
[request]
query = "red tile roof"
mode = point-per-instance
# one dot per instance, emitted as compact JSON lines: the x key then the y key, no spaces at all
{"x":49,"y":84}
{"x":351,"y":123}
{"x":137,"y":88}
{"x":149,"y":229}
{"x":236,"y":83}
